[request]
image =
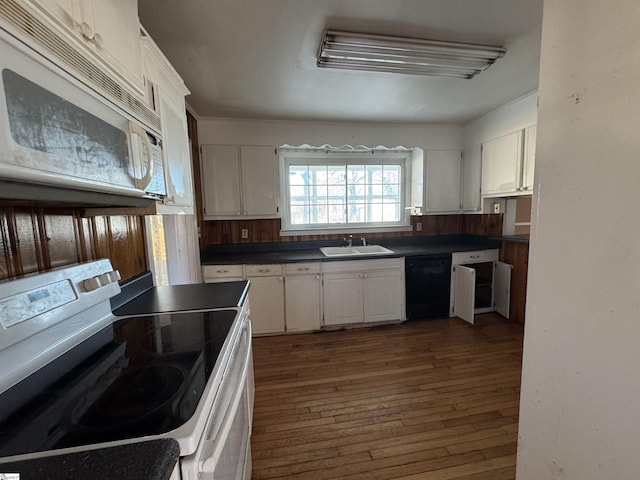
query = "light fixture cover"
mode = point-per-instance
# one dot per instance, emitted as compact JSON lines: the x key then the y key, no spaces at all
{"x":412,"y":56}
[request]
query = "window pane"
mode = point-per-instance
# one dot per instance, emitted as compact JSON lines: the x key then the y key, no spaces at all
{"x":317,"y":192}
{"x":299,"y":215}
{"x":336,"y":194}
{"x":374,"y":173}
{"x":336,"y":174}
{"x":298,"y":192}
{"x":391,"y":174}
{"x":337,"y":213}
{"x":318,"y":213}
{"x":374,"y":212}
{"x":317,"y":175}
{"x":357,"y":213}
{"x":391,"y":193}
{"x":391,"y":212}
{"x":298,"y":175}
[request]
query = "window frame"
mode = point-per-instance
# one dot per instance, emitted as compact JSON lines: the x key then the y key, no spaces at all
{"x":289,"y":157}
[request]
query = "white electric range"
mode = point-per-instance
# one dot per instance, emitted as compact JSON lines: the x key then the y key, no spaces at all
{"x":78,"y":377}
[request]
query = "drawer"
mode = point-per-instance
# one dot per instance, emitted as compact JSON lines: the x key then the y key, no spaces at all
{"x":267,"y":270}
{"x":477,"y":256}
{"x":301,"y":268}
{"x":221,"y":271}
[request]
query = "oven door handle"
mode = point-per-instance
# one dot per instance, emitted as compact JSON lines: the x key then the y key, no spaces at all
{"x":216,"y":444}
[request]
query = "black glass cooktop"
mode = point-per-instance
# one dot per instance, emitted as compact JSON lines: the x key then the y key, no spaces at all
{"x":140,"y":376}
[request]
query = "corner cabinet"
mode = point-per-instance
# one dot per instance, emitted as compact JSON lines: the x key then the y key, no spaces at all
{"x":508,"y":164}
{"x":168,"y":91}
{"x":363,"y":291}
{"x":479,"y":284}
{"x":239,"y":181}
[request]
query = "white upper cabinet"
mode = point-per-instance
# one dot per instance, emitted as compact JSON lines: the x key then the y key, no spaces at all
{"x":508,"y":163}
{"x":470,"y":197}
{"x":168,"y":92}
{"x":259,"y":189}
{"x":239,"y":181}
{"x":529,"y":157}
{"x":442,"y":181}
{"x":502,"y":165}
{"x":107,"y":31}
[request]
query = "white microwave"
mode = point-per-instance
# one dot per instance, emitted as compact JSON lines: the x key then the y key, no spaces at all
{"x":56,"y":131}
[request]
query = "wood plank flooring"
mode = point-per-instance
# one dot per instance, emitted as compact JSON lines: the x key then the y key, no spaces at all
{"x":434,"y":400}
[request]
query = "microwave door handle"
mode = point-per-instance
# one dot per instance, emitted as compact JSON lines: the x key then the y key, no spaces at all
{"x":139,"y":137}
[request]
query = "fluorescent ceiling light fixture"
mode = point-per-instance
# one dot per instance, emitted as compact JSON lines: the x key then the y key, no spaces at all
{"x":411,"y":56}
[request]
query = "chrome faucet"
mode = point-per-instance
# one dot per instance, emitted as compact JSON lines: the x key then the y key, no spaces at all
{"x":348,"y":240}
{"x":364,"y":241}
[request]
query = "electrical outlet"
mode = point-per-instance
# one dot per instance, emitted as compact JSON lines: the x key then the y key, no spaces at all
{"x":245,"y":233}
{"x":496,"y":208}
{"x":419,"y":227}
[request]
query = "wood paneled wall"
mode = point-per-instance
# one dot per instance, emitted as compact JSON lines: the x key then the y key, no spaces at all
{"x":38,"y":239}
{"x":268,"y":230}
{"x":517,"y":255}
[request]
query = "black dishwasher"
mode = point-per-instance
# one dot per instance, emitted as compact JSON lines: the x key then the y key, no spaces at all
{"x":428,"y":284}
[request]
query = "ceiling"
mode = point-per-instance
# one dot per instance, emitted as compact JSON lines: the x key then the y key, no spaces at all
{"x":256,"y":58}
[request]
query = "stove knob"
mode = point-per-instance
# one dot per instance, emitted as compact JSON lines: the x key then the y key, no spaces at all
{"x":114,"y":276}
{"x":91,"y":284}
{"x":104,"y":279}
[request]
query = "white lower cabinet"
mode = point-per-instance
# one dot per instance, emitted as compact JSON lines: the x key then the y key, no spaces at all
{"x":363,"y":291}
{"x":302,"y":293}
{"x":343,"y":298}
{"x":479,"y":284}
{"x":267,"y":298}
{"x":304,"y":297}
{"x":221,"y":273}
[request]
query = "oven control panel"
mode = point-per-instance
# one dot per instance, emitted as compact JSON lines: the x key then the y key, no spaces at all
{"x":26,"y":305}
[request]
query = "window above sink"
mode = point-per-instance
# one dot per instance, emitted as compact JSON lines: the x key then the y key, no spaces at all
{"x":328,"y":189}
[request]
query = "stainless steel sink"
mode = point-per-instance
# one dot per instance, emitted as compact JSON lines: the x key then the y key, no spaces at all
{"x":355,"y":251}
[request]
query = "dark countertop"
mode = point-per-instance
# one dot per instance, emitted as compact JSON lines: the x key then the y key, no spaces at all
{"x":152,"y":460}
{"x":514,"y":238}
{"x":176,"y":298}
{"x":292,"y":252}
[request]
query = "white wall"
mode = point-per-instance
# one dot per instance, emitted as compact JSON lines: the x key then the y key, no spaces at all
{"x":580,"y":401}
{"x":276,"y":133}
{"x":510,"y":117}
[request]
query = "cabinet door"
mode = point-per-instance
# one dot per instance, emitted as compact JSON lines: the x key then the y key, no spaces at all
{"x":342,"y":302}
{"x":169,"y":93}
{"x":267,"y":304}
{"x":383,"y":296}
{"x":464,"y":293}
{"x":259,"y":185}
{"x":117,"y":31}
{"x":302,"y":299}
{"x":220,"y":180}
{"x":501,"y":165}
{"x":442,"y":180}
{"x":108,"y":30}
{"x":502,"y":288}
{"x":529,"y":157}
{"x":471,"y":179}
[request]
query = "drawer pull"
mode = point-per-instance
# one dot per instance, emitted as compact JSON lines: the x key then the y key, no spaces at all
{"x":303,"y":269}
{"x":474,"y":256}
{"x":264,"y":270}
{"x":222,"y":271}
